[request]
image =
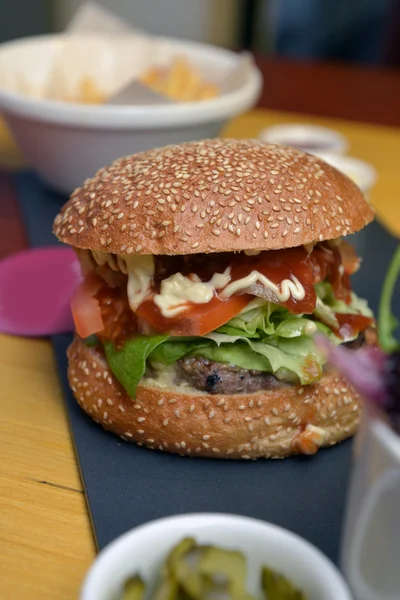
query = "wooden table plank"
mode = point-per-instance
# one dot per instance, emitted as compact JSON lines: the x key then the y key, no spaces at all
{"x":46,"y":540}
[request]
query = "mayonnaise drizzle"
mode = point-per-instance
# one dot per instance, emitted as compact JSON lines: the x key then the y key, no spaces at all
{"x":177,"y":290}
{"x":283,"y":291}
{"x":140,"y":270}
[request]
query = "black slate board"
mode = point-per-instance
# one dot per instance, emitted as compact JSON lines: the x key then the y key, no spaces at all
{"x":126,"y":485}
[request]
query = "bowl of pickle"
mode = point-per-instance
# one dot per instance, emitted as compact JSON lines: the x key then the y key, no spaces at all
{"x":212,"y":557}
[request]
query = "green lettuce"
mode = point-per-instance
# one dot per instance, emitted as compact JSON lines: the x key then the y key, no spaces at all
{"x":174,"y":349}
{"x":129,"y":362}
{"x":289,"y":358}
{"x":357,"y":306}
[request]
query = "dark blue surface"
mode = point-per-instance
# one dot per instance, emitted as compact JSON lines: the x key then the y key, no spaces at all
{"x":126,"y":485}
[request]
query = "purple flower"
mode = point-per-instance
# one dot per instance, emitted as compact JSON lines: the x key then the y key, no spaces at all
{"x":365,"y":368}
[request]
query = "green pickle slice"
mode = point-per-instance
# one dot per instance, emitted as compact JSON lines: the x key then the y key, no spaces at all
{"x":276,"y":587}
{"x":134,"y":589}
{"x":166,"y":589}
{"x":194,"y":572}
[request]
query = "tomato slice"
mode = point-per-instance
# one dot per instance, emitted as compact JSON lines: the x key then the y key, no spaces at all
{"x":119,"y":322}
{"x":351,"y":325}
{"x":197,"y":319}
{"x":85,"y":306}
{"x":350,"y":260}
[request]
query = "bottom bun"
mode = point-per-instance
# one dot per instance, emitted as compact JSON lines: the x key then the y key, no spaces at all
{"x":267,"y":424}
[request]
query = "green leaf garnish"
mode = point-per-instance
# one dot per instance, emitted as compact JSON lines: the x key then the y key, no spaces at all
{"x":386,"y":320}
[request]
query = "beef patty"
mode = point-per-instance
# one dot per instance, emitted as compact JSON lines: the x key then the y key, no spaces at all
{"x":219,"y":378}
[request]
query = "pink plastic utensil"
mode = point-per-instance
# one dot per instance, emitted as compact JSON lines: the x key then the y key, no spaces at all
{"x":35,"y":289}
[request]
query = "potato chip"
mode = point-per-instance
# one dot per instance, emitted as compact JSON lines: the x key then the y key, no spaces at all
{"x":179,"y":82}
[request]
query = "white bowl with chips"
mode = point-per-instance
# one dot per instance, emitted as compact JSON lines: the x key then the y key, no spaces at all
{"x":66,"y":142}
{"x":144,"y":549}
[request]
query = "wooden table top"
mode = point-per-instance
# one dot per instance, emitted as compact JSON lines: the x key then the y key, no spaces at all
{"x":45,"y":535}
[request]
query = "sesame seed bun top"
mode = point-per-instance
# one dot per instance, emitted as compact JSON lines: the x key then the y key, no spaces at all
{"x":212,"y":196}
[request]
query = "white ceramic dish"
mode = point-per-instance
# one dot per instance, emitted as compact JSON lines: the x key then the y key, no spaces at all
{"x":67,"y":142}
{"x":361,"y":172}
{"x":145,"y":548}
{"x":310,"y":138}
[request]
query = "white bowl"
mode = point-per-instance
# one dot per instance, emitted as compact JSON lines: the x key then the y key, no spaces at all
{"x":361,"y":172}
{"x":145,"y":548}
{"x":67,"y":142}
{"x":310,"y":138}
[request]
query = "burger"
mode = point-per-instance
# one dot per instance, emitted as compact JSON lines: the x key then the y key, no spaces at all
{"x":207,"y":268}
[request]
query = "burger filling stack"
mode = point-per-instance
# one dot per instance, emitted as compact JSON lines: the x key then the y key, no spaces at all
{"x":207,"y":269}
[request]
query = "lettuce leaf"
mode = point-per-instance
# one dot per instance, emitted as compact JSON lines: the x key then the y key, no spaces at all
{"x":172,"y":350}
{"x":258,"y":316}
{"x":357,"y":306}
{"x":297,"y":355}
{"x":129,"y":363}
{"x":328,"y":305}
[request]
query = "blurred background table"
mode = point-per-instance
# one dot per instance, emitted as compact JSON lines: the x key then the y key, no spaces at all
{"x":47,"y":544}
